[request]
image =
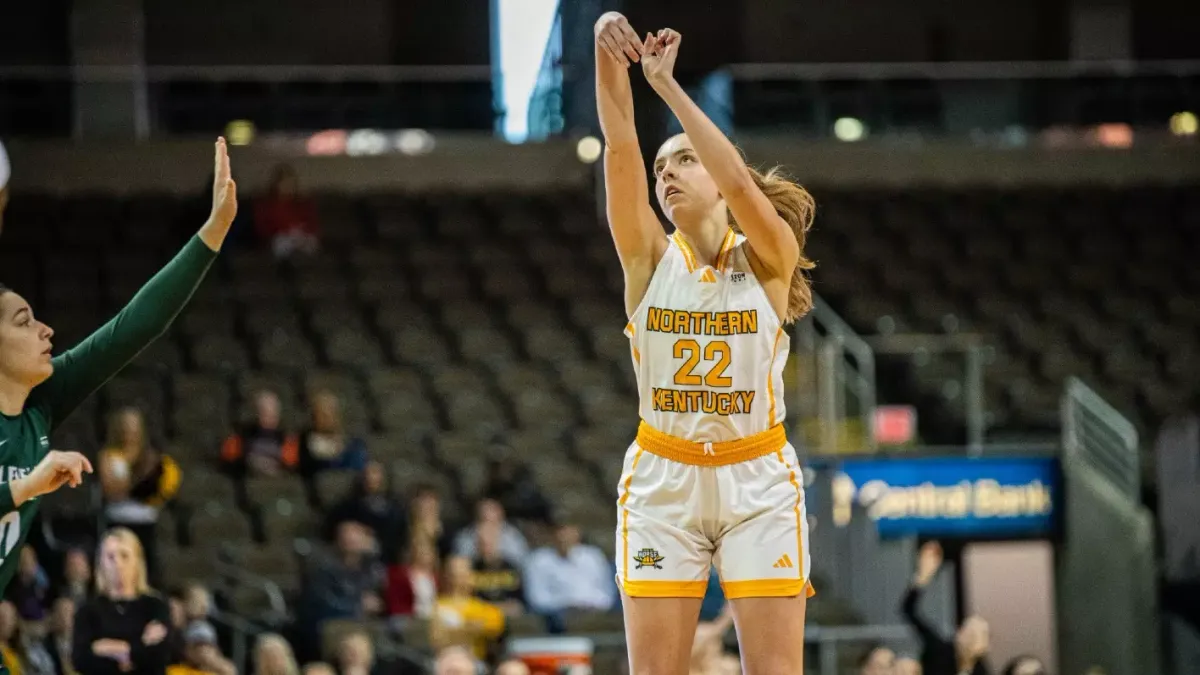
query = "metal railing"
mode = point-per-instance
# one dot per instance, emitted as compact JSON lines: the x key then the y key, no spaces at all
{"x":835,"y":382}
{"x":1097,"y":434}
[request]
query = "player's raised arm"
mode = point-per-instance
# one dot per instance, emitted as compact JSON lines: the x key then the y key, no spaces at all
{"x":638,"y":235}
{"x":87,"y":366}
{"x":771,"y":238}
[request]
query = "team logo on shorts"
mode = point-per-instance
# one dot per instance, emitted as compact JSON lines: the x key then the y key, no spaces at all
{"x":648,"y":557}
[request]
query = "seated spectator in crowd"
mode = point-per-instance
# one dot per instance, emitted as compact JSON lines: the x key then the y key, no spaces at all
{"x":262,"y":447}
{"x":18,"y":654}
{"x":201,"y":655}
{"x":372,"y":504}
{"x":343,"y":584}
{"x":284,"y":220}
{"x":967,"y":653}
{"x":325,"y":444}
{"x":456,"y":660}
{"x":511,"y":483}
{"x":489,"y":512}
{"x":137,"y":480}
{"x":356,"y":655}
{"x":60,"y":635}
{"x":29,"y":590}
{"x":878,"y":660}
{"x":425,"y":519}
{"x":512,"y":667}
{"x":907,"y":665}
{"x":497,"y":580}
{"x":568,"y":575}
{"x":197,"y":602}
{"x":412,"y":588}
{"x":1025,"y":665}
{"x":77,"y":576}
{"x":273,"y":656}
{"x":125,"y":627}
{"x":708,"y":645}
{"x":461,"y":618}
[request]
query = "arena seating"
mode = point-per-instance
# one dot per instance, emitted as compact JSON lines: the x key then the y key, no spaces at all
{"x":447,"y":321}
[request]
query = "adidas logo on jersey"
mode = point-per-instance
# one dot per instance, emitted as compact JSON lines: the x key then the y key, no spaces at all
{"x":784,"y":561}
{"x":708,"y":277}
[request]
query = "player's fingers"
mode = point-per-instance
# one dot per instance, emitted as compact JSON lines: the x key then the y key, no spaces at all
{"x":613,"y":50}
{"x":648,"y":46}
{"x":86,"y":464}
{"x":630,"y":35}
{"x":630,"y":48}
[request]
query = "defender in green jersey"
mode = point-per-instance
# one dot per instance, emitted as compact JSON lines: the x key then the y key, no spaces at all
{"x":37,"y":392}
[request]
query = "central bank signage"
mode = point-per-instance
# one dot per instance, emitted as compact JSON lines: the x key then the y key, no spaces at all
{"x":950,"y":496}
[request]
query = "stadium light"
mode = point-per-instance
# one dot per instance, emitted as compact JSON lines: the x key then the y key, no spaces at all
{"x":240,"y":132}
{"x":588,"y":149}
{"x":849,"y":129}
{"x":1184,"y":123}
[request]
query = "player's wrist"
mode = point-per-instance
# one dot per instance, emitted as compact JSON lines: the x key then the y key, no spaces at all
{"x":20,"y":490}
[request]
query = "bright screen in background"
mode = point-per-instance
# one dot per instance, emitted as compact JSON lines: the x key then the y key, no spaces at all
{"x":521,"y":33}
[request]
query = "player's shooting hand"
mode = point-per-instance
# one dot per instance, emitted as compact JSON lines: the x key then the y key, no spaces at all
{"x":224,"y":202}
{"x":57,"y":468}
{"x":617,"y":38}
{"x":658,"y":56}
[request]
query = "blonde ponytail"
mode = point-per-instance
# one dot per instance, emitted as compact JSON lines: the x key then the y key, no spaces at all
{"x":797,"y":207}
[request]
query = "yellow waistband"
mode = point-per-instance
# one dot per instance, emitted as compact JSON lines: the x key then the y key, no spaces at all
{"x":711,"y":454}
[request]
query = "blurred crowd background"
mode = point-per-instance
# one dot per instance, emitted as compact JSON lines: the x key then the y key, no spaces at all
{"x":385,"y":436}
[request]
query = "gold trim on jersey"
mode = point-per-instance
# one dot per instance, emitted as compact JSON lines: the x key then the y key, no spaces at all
{"x":726,"y":250}
{"x":710,"y":454}
{"x":688,"y":256}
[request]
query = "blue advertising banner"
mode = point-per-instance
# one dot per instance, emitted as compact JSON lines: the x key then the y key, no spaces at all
{"x":997,"y":497}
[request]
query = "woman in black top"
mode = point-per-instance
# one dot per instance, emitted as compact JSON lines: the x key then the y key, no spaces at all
{"x":966,"y":654}
{"x":125,"y":628}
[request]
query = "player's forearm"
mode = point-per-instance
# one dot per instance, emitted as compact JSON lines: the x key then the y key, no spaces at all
{"x":716,"y":152}
{"x":15,"y":493}
{"x":614,"y":102}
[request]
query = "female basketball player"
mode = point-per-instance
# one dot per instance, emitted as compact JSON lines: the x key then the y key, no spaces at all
{"x":37,"y":392}
{"x":711,"y":478}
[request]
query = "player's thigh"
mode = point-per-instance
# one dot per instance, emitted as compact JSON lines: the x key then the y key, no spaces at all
{"x":659,"y":634}
{"x":771,"y":634}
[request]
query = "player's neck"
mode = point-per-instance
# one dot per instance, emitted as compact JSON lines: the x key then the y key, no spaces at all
{"x":12,"y":397}
{"x":706,"y":239}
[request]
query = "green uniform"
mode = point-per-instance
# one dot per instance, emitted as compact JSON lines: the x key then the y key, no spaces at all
{"x":25,"y":438}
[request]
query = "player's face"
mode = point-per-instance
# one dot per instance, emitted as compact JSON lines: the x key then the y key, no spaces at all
{"x":24,"y":343}
{"x":681,"y":183}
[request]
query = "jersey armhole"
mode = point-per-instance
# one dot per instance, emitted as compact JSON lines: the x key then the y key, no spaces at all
{"x":655,"y":278}
{"x":740,"y":252}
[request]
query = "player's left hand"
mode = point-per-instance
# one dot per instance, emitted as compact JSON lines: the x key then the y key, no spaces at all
{"x":224,"y":201}
{"x":658,"y":56}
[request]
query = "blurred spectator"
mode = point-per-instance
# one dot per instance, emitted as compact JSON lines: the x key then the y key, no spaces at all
{"x":461,"y":618}
{"x":1025,"y":665}
{"x":489,"y":512}
{"x":569,"y":575}
{"x":5,"y":172}
{"x":456,"y":660}
{"x":939,"y":656}
{"x":179,"y":621}
{"x":77,"y":576}
{"x":18,"y":654}
{"x":285,"y":220}
{"x":60,"y":635}
{"x":197,"y":602}
{"x":262,"y":447}
{"x":137,"y":480}
{"x":316,"y":668}
{"x":907,"y":665}
{"x":512,"y":667}
{"x":373,"y":505}
{"x":125,"y":627}
{"x":708,"y":645}
{"x":325,"y":444}
{"x":356,"y":655}
{"x":343,"y":584}
{"x":879,"y":660}
{"x":714,"y":598}
{"x":273,"y":656}
{"x":497,"y":580}
{"x":412,"y":587}
{"x":201,"y":655}
{"x":425,"y":519}
{"x":510,"y":482}
{"x":29,"y":590}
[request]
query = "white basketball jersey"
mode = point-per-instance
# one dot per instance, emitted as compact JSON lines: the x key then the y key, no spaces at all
{"x":708,"y":348}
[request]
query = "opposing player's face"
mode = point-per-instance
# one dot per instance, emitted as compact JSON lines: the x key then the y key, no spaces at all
{"x":24,"y":343}
{"x":681,"y":182}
